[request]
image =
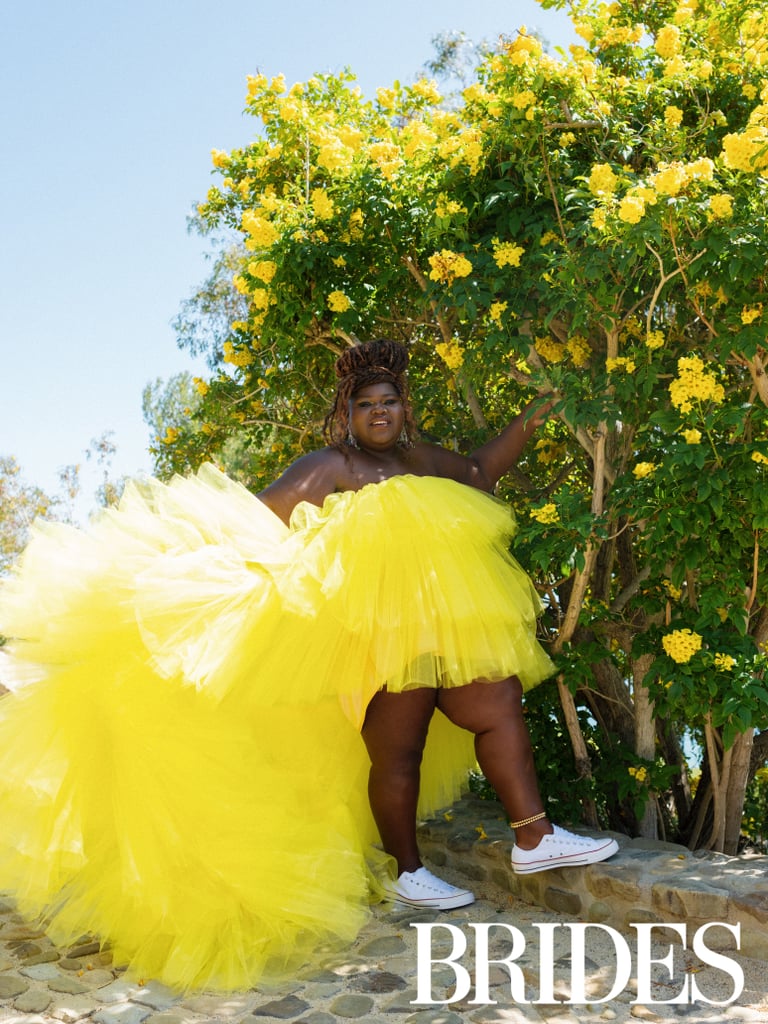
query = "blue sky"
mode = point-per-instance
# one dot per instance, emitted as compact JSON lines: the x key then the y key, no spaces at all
{"x":109,"y":111}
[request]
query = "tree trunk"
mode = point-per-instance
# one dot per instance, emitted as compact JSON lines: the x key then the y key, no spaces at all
{"x":645,"y":738}
{"x":737,"y":784}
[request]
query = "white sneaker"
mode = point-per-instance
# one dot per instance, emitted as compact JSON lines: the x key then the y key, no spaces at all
{"x":562,"y":849}
{"x":421,"y":888}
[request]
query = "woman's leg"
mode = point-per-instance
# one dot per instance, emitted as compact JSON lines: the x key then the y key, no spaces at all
{"x":394,"y":731}
{"x":494,"y":713}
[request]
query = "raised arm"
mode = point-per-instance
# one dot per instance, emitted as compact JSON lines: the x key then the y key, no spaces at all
{"x":497,"y":456}
{"x":488,"y":464}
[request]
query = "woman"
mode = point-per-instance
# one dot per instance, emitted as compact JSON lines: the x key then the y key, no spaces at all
{"x":371,"y":433}
{"x":208,"y":678}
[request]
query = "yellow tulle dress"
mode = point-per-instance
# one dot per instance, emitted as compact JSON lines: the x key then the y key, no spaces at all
{"x":181,"y":768}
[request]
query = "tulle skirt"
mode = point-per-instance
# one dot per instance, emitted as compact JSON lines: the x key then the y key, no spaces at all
{"x":181,"y":768}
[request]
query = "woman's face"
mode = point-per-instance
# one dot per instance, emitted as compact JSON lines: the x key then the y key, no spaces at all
{"x":376,"y":416}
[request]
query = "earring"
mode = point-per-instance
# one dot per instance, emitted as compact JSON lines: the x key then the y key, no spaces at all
{"x":351,"y":439}
{"x":404,"y":441}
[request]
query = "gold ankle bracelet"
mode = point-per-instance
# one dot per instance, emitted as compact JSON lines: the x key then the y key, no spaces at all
{"x":528,"y":821}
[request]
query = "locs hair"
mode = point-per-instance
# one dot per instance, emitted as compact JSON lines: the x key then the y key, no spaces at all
{"x":372,"y":362}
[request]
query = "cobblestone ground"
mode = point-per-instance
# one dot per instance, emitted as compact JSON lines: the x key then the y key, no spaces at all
{"x":376,"y":979}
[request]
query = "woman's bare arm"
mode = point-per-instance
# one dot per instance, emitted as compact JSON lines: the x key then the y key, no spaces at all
{"x":311,"y":478}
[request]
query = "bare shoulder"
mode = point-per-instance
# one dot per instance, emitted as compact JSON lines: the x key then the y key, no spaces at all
{"x":311,"y":478}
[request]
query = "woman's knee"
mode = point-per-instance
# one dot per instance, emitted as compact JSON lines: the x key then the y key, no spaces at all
{"x":483,"y":705}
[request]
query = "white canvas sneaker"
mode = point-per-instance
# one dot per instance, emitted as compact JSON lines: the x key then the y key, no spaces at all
{"x":562,"y":849}
{"x":421,"y":888}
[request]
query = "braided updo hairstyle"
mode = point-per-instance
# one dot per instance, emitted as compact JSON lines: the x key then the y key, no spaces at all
{"x":371,"y":362}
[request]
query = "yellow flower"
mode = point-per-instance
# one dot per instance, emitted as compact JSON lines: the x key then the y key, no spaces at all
{"x":322,"y":204}
{"x":692,"y":436}
{"x":641,"y":773}
{"x":681,"y":645}
{"x":171,"y":435}
{"x":549,"y":349}
{"x":386,"y":98}
{"x":446,"y":207}
{"x":631,"y":209}
{"x":579,"y":350}
{"x":748,"y":315}
{"x":643,"y":469}
{"x":387,"y":157}
{"x":760,"y":458}
{"x":339,"y":261}
{"x":721,"y":206}
{"x":668,"y":42}
{"x":654,"y":339}
{"x":507,"y":253}
{"x":338,"y":302}
{"x":427,"y":90}
{"x":724,"y":662}
{"x":236,"y":357}
{"x":620,"y":363}
{"x":694,"y":382}
{"x":262,"y":233}
{"x":599,"y":219}
{"x":672,"y":591}
{"x":602,"y":180}
{"x":201,"y":386}
{"x":265,"y":270}
{"x":448,"y":265}
{"x":219,"y":158}
{"x":496,"y":310}
{"x":451,"y":353}
{"x":673,"y":117}
{"x":545,"y":514}
{"x":670,"y":179}
{"x":241,"y":285}
{"x":524,"y":99}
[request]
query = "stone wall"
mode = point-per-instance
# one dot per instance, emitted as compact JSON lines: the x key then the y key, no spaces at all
{"x":645,"y":881}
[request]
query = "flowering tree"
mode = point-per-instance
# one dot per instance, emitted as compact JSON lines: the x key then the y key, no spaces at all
{"x":592,"y":225}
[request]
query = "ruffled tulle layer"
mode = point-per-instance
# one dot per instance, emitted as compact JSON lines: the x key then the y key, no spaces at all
{"x":186,"y":778}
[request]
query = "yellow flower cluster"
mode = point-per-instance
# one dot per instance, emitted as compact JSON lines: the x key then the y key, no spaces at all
{"x":641,"y":773}
{"x":747,"y":150}
{"x":751,"y":313}
{"x":171,"y":435}
{"x":671,"y":179}
{"x":620,"y":363}
{"x":387,"y":157}
{"x":338,"y":302}
{"x":322,"y":204}
{"x":681,"y":645}
{"x":631,"y":209}
{"x":654,"y":339}
{"x":264,"y":270}
{"x":549,"y":349}
{"x":548,"y":451}
{"x":602,"y":180}
{"x":446,"y":207}
{"x":721,"y":206}
{"x":546,"y":514}
{"x":724,"y":662}
{"x":760,"y":458}
{"x":220,"y":158}
{"x":667,"y":43}
{"x":694,"y":382}
{"x":448,"y":265}
{"x":496,"y":311}
{"x":692,"y":436}
{"x":451,"y":353}
{"x":201,"y":386}
{"x":673,"y":117}
{"x":236,"y":357}
{"x":579,"y":350}
{"x":672,"y":591}
{"x":643,"y":469}
{"x":507,"y":253}
{"x":262,"y":232}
